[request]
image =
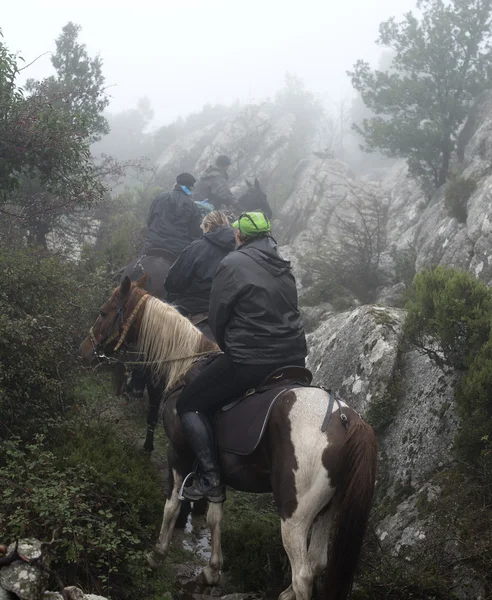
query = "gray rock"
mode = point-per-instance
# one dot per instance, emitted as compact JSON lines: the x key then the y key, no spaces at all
{"x":355,"y":352}
{"x":26,"y":581}
{"x":392,"y":295}
{"x":4,"y":595}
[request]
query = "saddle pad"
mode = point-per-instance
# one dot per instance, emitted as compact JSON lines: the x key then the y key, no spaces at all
{"x":240,"y":429}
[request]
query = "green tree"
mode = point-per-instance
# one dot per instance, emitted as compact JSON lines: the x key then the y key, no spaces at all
{"x":39,"y":145}
{"x":441,"y":62}
{"x":78,"y":86}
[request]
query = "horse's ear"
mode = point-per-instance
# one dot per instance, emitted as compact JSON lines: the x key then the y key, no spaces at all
{"x":257,"y":184}
{"x":125,"y":286}
{"x":248,"y":183}
{"x":142,"y":282}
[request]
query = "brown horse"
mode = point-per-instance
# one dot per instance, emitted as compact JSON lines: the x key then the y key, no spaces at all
{"x":321,"y":480}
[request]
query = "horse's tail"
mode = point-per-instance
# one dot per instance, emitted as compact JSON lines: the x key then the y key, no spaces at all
{"x":354,"y":495}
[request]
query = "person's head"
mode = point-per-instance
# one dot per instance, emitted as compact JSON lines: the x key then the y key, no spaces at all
{"x":223,"y":162}
{"x":250,"y":226}
{"x":213,"y":221}
{"x":186,"y":179}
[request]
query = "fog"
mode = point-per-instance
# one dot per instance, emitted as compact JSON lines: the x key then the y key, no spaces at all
{"x":186,"y":53}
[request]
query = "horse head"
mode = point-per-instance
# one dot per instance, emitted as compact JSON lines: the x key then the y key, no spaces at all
{"x":117,"y":320}
{"x":254,"y":199}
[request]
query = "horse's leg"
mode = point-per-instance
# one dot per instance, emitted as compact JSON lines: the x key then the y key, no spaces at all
{"x":155,"y":393}
{"x":314,"y":563}
{"x":171,"y":512}
{"x":211,"y":572}
{"x":318,"y":544}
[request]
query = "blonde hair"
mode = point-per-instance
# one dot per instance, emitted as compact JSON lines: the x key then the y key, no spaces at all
{"x":170,"y":342}
{"x":214,"y":220}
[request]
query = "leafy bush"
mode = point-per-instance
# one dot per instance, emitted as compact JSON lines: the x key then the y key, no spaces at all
{"x":100,"y":497}
{"x":449,"y":316}
{"x":254,"y":557}
{"x":45,"y":311}
{"x":456,"y":196}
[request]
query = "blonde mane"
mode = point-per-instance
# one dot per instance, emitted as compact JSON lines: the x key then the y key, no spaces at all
{"x":170,"y":342}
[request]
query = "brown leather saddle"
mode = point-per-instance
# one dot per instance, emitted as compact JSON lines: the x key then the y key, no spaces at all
{"x":240,"y":426}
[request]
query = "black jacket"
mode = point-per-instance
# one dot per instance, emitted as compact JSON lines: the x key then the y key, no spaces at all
{"x":253,"y":307}
{"x":189,"y":281}
{"x":212,"y":186}
{"x":174,"y":222}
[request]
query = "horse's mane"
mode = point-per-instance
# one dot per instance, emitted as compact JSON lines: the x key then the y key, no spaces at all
{"x":170,"y":342}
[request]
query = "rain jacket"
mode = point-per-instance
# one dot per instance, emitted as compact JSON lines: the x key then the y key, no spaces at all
{"x":173,"y":222}
{"x":212,"y":186}
{"x":253,"y":313}
{"x":189,"y":280}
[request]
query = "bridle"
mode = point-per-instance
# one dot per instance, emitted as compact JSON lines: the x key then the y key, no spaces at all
{"x":120,"y":332}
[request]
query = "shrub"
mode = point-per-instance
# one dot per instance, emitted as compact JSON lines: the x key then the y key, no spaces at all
{"x":254,"y":557}
{"x":458,"y":192}
{"x":100,"y":497}
{"x":449,"y":316}
{"x":45,"y":311}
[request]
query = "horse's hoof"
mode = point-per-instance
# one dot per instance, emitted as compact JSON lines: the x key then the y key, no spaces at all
{"x":210,"y":576}
{"x":155,"y":558}
{"x":148,"y":447}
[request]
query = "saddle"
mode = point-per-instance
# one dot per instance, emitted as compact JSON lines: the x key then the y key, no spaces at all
{"x":162,"y":253}
{"x":239,"y":426}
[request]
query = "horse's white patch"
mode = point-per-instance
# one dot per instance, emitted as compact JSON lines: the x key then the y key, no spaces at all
{"x":313,"y":492}
{"x":312,"y":482}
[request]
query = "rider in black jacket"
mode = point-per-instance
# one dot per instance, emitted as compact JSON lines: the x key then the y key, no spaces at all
{"x":189,"y":280}
{"x":174,"y":219}
{"x":255,"y":319}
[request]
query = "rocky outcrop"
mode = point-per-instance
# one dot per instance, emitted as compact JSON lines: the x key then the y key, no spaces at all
{"x":24,"y":579}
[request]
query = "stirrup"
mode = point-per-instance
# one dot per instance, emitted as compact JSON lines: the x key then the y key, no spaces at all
{"x":183,"y":485}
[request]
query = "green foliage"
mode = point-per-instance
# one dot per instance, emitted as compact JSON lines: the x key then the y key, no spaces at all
{"x":45,"y":311}
{"x":253,"y":552}
{"x":441,"y":64}
{"x":450,"y":318}
{"x":457,"y":194}
{"x":77,"y":89}
{"x":40,"y":142}
{"x":99,"y":496}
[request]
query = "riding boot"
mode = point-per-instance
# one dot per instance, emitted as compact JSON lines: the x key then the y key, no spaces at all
{"x":207,"y":482}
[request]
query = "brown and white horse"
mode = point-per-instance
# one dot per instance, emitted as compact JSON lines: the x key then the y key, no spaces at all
{"x":322,"y":482}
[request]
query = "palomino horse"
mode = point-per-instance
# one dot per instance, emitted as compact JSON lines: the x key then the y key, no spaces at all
{"x":321,"y":480}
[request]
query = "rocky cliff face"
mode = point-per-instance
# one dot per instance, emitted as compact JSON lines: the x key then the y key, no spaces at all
{"x":362,"y":352}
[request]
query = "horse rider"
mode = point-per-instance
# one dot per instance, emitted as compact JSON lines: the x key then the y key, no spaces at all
{"x":213,"y":187}
{"x":174,"y":218}
{"x":189,"y":280}
{"x":255,"y":319}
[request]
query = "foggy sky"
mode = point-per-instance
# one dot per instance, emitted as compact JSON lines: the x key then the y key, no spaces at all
{"x":185,"y":53}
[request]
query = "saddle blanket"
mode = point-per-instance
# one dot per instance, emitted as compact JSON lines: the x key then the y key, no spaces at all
{"x":239,"y":428}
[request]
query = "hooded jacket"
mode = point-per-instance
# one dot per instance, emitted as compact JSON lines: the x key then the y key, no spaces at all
{"x":212,"y":186}
{"x":173,"y":222}
{"x":253,"y":313}
{"x":189,"y":280}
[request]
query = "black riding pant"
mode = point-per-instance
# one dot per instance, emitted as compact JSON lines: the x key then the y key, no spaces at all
{"x":221,"y":382}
